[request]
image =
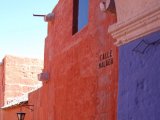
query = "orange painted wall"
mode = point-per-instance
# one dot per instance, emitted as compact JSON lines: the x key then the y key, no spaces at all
{"x":78,"y":89}
{"x":11,"y":113}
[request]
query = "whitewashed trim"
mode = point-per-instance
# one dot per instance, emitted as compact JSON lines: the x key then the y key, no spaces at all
{"x":145,"y":23}
{"x":20,"y":99}
{"x":16,"y":101}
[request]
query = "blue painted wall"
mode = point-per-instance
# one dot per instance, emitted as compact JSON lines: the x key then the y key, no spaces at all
{"x":139,"y":79}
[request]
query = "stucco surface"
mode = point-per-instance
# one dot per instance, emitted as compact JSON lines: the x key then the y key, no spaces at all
{"x":127,"y":9}
{"x":78,"y":89}
{"x":139,"y":79}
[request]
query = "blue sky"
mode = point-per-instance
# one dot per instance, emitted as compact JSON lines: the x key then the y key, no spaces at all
{"x":21,"y":34}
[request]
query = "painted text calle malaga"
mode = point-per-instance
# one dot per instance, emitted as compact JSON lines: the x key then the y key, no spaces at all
{"x":106,"y":59}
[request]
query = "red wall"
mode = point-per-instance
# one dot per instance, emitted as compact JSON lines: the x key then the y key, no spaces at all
{"x":78,"y":89}
{"x":11,"y":113}
{"x":1,"y":83}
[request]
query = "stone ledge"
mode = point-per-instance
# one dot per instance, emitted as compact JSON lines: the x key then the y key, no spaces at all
{"x":139,"y":26}
{"x":16,"y":101}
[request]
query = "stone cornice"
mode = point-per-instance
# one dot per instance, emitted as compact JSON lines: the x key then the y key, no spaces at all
{"x":145,"y":23}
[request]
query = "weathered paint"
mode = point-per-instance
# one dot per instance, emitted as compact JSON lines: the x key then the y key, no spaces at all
{"x":1,"y":84}
{"x":135,"y":19}
{"x":20,"y":76}
{"x":127,"y":9}
{"x":78,"y":89}
{"x":139,"y":80}
{"x":17,"y":77}
{"x":11,"y":113}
